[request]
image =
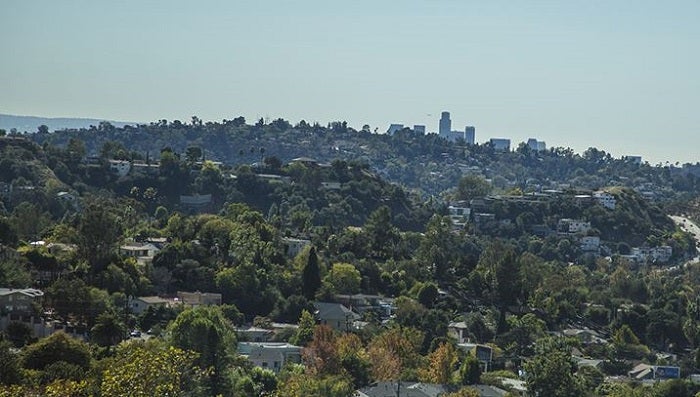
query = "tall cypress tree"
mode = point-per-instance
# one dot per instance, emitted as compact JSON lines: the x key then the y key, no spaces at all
{"x":311,"y":276}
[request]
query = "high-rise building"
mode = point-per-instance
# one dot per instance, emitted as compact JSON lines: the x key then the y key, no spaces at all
{"x":470,"y":134}
{"x":393,"y":128}
{"x":419,"y":129}
{"x":445,"y":124}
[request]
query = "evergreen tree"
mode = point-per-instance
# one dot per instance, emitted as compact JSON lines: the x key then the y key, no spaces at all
{"x":311,"y":276}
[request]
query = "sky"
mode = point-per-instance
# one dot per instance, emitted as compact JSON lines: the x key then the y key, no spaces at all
{"x":621,"y":76}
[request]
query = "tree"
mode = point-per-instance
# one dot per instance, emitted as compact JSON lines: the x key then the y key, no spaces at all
{"x":57,"y":347}
{"x":151,"y":369}
{"x":471,"y":187}
{"x":440,"y":365}
{"x":206,"y":331}
{"x":98,"y":233}
{"x":311,"y":276}
{"x":551,"y":372}
{"x":10,"y":371}
{"x":470,"y":371}
{"x":344,"y":278}
{"x":108,"y":330}
{"x":305,"y":332}
{"x":321,"y":354}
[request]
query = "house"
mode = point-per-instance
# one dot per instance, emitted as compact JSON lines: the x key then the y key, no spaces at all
{"x":142,"y":252}
{"x":605,"y":199}
{"x":140,"y":304}
{"x":404,"y":389}
{"x":654,"y":372}
{"x":459,"y":215}
{"x":459,"y":331}
{"x":483,"y":353}
{"x":417,"y":389}
{"x":269,"y":355}
{"x":120,"y":167}
{"x":361,"y":303}
{"x":194,"y":299}
{"x":18,"y":300}
{"x":586,"y":336}
{"x":336,"y":315}
{"x":660,"y":254}
{"x":587,"y":362}
{"x":590,"y":243}
{"x":195,"y":203}
{"x":293,"y":246}
{"x":573,"y":226}
{"x":254,"y":334}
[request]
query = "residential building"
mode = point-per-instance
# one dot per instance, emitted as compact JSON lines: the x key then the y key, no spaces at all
{"x":140,"y":304}
{"x":654,"y":372}
{"x":459,"y":331}
{"x":660,"y":254}
{"x":483,"y":353}
{"x":590,"y":244}
{"x":195,"y":202}
{"x":139,"y":250}
{"x":419,"y":129}
{"x":194,"y":299}
{"x":336,"y":315}
{"x":573,"y":226}
{"x":18,"y":300}
{"x":459,"y":215}
{"x":269,"y":355}
{"x":500,"y":144}
{"x":605,"y":199}
{"x":254,"y":334}
{"x":293,"y":246}
{"x":403,"y":389}
{"x":120,"y":167}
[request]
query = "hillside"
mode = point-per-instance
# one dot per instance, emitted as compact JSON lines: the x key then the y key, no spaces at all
{"x":30,"y":124}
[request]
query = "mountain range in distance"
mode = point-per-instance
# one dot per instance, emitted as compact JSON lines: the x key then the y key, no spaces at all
{"x":31,"y":123}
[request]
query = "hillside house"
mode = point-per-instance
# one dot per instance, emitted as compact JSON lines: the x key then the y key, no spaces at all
{"x":140,"y":304}
{"x":336,"y":315}
{"x":18,"y":300}
{"x":269,"y":355}
{"x":605,"y":199}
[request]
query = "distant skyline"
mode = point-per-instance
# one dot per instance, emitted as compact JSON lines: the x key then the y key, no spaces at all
{"x":621,"y":76}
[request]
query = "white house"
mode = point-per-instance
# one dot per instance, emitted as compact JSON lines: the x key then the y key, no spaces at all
{"x":269,"y":355}
{"x":605,"y":199}
{"x":120,"y":167}
{"x":140,"y":304}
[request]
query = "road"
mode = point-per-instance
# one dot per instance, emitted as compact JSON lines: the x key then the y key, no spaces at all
{"x":689,"y":226}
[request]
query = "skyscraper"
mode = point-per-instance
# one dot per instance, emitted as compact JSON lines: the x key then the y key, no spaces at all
{"x":445,"y":125}
{"x":469,"y":134}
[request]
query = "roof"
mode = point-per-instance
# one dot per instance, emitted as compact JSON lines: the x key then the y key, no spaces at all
{"x":30,"y":292}
{"x":334,"y":310}
{"x":407,"y":389}
{"x":152,"y":299}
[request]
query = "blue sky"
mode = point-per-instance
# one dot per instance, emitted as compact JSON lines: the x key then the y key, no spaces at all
{"x":621,"y":76}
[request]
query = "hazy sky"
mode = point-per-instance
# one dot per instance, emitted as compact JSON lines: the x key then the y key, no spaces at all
{"x":622,"y":76}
